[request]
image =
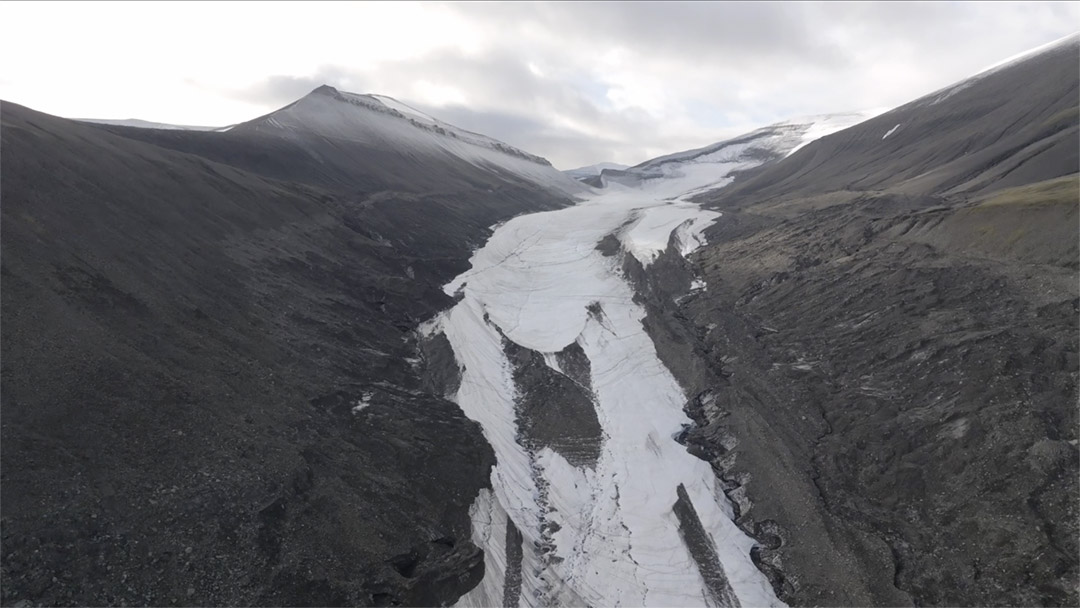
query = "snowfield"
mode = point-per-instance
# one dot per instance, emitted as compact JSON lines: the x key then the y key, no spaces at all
{"x":606,"y":534}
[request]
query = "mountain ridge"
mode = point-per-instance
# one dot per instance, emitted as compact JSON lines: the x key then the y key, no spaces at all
{"x":309,"y":115}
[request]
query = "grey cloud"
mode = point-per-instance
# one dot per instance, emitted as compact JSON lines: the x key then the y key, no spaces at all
{"x":279,"y":90}
{"x":752,"y":32}
{"x":501,"y":78}
{"x":562,"y":148}
{"x":520,"y":107}
{"x":782,"y":36}
{"x":761,"y":61}
{"x":513,"y":105}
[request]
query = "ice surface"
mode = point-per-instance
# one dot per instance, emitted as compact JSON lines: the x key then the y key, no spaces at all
{"x":606,"y":534}
{"x":890,"y":131}
{"x":649,"y":234}
{"x":488,"y":531}
{"x":540,"y":282}
{"x":596,"y":169}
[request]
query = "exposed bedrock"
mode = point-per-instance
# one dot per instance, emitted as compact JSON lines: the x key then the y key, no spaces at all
{"x":895,"y":421}
{"x":808,"y":556}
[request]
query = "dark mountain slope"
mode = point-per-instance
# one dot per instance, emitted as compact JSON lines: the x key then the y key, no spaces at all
{"x":890,"y":331}
{"x":354,"y":144}
{"x":1007,"y":127}
{"x":206,"y":393}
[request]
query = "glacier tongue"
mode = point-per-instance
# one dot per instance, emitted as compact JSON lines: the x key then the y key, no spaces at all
{"x":604,"y":534}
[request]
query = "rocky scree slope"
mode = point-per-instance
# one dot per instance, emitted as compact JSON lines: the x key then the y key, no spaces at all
{"x":209,"y":391}
{"x":884,"y":354}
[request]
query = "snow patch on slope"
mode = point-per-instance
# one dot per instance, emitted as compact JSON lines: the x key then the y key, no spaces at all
{"x":820,"y":126}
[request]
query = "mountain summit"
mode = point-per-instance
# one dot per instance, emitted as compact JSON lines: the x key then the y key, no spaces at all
{"x":379,"y":120}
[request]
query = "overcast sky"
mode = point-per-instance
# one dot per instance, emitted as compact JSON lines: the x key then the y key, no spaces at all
{"x":578,"y":83}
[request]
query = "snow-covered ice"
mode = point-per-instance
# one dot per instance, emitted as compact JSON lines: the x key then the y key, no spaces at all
{"x":890,"y":131}
{"x":618,"y":541}
{"x":541,"y":283}
{"x":489,"y":531}
{"x":605,"y":534}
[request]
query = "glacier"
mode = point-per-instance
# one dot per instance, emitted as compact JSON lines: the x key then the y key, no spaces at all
{"x":607,"y":533}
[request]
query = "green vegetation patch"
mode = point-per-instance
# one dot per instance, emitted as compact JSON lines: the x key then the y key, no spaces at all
{"x":1057,"y":191}
{"x":1066,"y":117}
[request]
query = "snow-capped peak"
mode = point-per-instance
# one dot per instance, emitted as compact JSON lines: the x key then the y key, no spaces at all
{"x":774,"y":141}
{"x":353,"y":116}
{"x":712,"y":166}
{"x":816,"y":127}
{"x":383,"y":122}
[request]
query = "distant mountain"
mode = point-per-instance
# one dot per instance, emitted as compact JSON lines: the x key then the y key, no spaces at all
{"x":363,"y":142}
{"x":381,"y":122}
{"x":592,"y":170}
{"x":770,"y":142}
{"x":711,"y":165}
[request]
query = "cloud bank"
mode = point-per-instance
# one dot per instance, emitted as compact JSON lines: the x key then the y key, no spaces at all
{"x":578,"y":83}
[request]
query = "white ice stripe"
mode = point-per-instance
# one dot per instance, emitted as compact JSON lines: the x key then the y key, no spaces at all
{"x":890,"y":131}
{"x":489,"y":532}
{"x":553,"y":362}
